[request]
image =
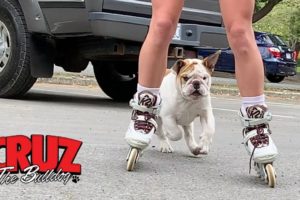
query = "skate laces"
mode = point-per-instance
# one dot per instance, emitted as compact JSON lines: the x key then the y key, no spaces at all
{"x":145,"y":112}
{"x":144,"y":121}
{"x":256,"y":128}
{"x":261,"y":139}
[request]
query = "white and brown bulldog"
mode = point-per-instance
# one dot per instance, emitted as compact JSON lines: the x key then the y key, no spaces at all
{"x":185,"y":92}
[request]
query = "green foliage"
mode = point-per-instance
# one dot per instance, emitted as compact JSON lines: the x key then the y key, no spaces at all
{"x":294,"y":25}
{"x":283,"y":20}
{"x":259,"y":4}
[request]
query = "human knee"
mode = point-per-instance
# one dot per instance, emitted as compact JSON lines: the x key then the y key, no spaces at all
{"x":163,"y":29}
{"x":239,"y":38}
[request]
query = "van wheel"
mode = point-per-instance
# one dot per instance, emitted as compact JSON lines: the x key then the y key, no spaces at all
{"x":275,"y":78}
{"x":117,"y":79}
{"x":15,"y":75}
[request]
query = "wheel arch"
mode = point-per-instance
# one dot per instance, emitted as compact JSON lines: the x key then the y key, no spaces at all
{"x":41,"y":60}
{"x":34,"y":17}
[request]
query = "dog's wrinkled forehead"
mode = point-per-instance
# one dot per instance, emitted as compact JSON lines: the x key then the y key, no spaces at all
{"x":192,"y":66}
{"x":186,"y":66}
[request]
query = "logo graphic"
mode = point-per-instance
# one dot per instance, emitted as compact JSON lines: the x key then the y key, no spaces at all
{"x":38,"y":159}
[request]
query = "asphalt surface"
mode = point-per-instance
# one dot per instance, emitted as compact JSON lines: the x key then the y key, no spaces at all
{"x":86,"y":114}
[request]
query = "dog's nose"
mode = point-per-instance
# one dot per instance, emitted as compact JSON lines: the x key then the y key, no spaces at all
{"x":196,"y":84}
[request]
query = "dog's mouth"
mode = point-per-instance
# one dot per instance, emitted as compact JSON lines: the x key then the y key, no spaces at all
{"x":196,"y":93}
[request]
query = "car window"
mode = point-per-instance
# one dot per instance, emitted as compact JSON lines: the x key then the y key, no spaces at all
{"x":280,"y":40}
{"x":264,"y":39}
{"x":277,"y":40}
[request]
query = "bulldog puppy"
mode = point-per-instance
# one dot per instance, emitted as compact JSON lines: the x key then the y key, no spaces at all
{"x":185,"y":93}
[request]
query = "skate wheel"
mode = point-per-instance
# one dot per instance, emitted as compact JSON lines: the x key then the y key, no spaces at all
{"x":271,"y":175}
{"x":132,"y":159}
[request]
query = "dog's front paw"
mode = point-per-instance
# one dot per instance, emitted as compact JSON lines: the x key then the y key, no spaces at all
{"x":199,"y":151}
{"x":204,"y":145}
{"x":165,"y":147}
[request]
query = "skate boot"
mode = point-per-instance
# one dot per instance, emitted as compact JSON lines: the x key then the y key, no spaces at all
{"x":142,"y":124}
{"x":258,"y":142}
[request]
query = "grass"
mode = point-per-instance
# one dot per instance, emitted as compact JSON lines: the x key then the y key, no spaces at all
{"x":298,"y":65}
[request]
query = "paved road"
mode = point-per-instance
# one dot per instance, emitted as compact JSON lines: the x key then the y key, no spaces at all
{"x":86,"y":114}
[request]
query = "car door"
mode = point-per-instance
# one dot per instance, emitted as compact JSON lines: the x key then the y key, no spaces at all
{"x":228,"y":60}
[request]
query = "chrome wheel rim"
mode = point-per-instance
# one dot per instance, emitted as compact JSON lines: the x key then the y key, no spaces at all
{"x":5,"y":46}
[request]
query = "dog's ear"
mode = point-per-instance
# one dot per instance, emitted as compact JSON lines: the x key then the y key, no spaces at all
{"x":178,"y":65}
{"x":210,"y":61}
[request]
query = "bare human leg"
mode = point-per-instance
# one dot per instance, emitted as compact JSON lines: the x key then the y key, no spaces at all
{"x":254,"y":113}
{"x":152,"y":66}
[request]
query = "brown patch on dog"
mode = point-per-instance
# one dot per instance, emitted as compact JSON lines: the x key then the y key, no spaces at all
{"x":186,"y":69}
{"x":178,"y":65}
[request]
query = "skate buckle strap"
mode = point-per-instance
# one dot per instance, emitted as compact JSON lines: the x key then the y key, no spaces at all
{"x":252,"y":122}
{"x":153,"y":110}
{"x":253,"y":133}
{"x":143,"y":118}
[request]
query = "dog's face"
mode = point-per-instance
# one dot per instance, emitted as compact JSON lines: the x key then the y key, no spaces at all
{"x":194,"y":76}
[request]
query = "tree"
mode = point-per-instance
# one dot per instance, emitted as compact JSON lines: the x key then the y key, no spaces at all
{"x":263,"y":7}
{"x":284,"y":20}
{"x":294,"y":30}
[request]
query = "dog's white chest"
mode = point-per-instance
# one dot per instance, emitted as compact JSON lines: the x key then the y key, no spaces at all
{"x":186,"y":113}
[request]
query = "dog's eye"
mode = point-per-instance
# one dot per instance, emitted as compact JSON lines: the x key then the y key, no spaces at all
{"x":204,"y":78}
{"x":185,"y":78}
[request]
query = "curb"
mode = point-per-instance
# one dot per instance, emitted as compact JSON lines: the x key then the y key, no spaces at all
{"x":233,"y":91}
{"x":220,"y":86}
{"x":70,"y":80}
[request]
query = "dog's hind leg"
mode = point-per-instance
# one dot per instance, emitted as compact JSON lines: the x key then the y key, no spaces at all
{"x":165,"y":146}
{"x":190,"y":139}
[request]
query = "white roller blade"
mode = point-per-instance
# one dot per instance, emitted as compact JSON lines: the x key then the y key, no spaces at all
{"x":258,"y":142}
{"x":142,"y":125}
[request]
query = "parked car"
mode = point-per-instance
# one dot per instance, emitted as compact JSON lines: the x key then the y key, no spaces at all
{"x":279,"y":60}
